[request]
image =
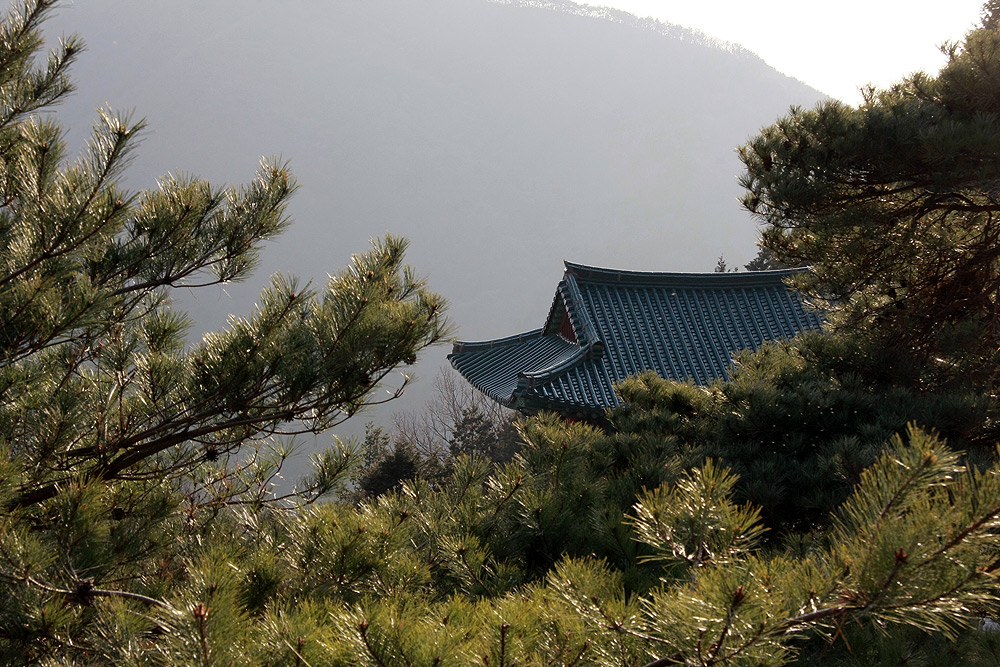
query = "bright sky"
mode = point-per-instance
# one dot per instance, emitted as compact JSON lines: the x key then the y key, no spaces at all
{"x":835,"y":47}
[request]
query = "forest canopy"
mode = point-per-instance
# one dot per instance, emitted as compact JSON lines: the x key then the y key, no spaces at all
{"x":837,"y":498}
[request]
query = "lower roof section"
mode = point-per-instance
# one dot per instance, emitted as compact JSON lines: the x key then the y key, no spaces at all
{"x":496,"y":365}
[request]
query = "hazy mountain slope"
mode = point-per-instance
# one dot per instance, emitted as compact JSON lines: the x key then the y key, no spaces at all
{"x":500,"y":138}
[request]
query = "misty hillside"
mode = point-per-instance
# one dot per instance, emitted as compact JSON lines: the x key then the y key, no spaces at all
{"x":501,"y":138}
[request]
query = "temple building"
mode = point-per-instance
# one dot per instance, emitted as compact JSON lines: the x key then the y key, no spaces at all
{"x":605,"y":325}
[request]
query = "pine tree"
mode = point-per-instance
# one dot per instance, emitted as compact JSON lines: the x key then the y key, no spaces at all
{"x":109,"y":421}
{"x":894,"y":205}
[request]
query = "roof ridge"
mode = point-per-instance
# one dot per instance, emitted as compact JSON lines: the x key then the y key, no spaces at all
{"x":464,"y":345}
{"x":680,"y":278}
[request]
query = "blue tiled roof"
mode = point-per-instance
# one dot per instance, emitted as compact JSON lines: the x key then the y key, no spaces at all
{"x":679,"y":325}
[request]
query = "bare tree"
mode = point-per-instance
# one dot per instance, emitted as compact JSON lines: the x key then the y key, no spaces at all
{"x":432,"y":430}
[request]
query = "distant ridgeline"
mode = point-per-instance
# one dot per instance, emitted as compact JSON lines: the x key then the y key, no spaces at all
{"x":672,"y":30}
{"x":605,"y":325}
